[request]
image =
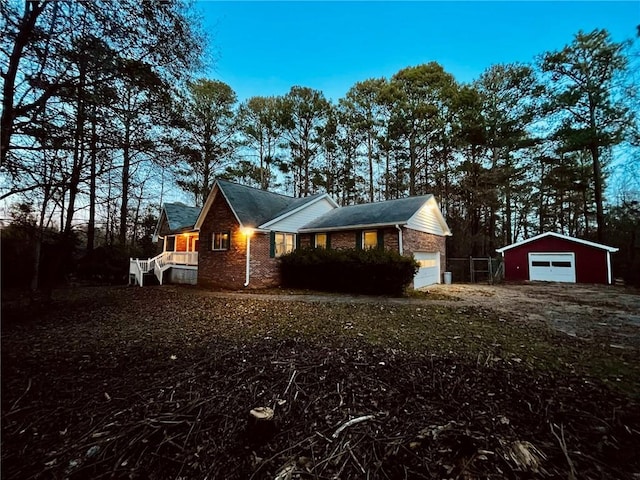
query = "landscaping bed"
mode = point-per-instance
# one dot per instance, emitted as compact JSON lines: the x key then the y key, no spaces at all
{"x":158,"y":383}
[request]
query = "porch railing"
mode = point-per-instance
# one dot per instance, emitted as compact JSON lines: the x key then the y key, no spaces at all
{"x":158,"y":264}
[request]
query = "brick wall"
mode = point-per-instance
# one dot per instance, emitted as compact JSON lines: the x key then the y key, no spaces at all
{"x":415,"y":241}
{"x":347,"y":239}
{"x":227,"y":268}
{"x":343,"y":239}
{"x":264,"y":270}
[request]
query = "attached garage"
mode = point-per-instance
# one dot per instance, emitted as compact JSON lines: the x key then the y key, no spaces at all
{"x":429,"y":271}
{"x":551,"y":257}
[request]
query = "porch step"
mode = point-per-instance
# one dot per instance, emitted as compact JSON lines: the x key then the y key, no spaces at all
{"x":150,"y":279}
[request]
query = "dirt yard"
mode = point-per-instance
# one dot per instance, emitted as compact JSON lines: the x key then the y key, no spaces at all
{"x":589,"y":312}
{"x":460,"y":381}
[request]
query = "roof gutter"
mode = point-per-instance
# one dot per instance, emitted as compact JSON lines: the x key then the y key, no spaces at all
{"x":248,"y":266}
{"x":399,"y":239}
{"x":349,"y":227}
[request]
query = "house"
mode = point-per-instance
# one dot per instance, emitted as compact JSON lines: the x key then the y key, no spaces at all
{"x":554,"y":257}
{"x":179,"y":241}
{"x":411,"y":226}
{"x":241,"y":231}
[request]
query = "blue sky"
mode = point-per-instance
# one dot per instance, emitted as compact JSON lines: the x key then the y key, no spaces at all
{"x":265,"y":48}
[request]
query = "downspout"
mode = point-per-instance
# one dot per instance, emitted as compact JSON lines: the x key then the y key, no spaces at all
{"x":400,"y":249}
{"x":246,"y":282}
{"x":609,"y":267}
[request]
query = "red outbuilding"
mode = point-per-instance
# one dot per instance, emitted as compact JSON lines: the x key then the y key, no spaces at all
{"x":553,"y":257}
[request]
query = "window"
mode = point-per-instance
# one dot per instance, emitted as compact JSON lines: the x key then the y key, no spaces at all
{"x":284,"y":243}
{"x":539,"y":264}
{"x":321,"y":240}
{"x":561,"y":264}
{"x":427,"y":263}
{"x":369,"y":239}
{"x":171,"y":244}
{"x":220,"y":241}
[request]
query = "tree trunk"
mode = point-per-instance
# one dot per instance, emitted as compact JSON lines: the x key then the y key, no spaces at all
{"x":370,"y":154}
{"x":597,"y":191}
{"x":91,"y":226}
{"x":126,"y":164}
{"x":32,"y":11}
{"x":78,"y":152}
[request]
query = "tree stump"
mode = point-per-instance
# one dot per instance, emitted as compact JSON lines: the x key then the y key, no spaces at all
{"x":261,"y":425}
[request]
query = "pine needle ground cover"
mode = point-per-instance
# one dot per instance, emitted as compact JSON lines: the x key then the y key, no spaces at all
{"x":158,"y":383}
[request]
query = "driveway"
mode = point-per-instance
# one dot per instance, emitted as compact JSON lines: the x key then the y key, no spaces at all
{"x":601,"y":313}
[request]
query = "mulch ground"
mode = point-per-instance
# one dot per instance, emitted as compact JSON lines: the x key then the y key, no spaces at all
{"x":158,"y":383}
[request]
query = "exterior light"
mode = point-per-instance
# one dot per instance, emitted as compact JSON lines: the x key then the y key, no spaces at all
{"x":247,"y":231}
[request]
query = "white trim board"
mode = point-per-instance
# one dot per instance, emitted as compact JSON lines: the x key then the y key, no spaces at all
{"x":557,"y":235}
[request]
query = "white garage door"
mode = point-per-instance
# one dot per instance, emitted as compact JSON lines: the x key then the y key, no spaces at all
{"x":552,"y":267}
{"x":429,"y":272}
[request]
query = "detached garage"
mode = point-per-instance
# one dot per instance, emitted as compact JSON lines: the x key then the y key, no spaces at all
{"x":552,"y":257}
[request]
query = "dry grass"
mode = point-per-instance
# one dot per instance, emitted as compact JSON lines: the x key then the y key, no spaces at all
{"x":157,"y":383}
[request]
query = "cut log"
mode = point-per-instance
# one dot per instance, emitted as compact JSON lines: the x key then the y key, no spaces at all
{"x":261,"y":425}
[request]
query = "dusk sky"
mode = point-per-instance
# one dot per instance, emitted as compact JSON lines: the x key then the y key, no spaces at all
{"x":265,"y":48}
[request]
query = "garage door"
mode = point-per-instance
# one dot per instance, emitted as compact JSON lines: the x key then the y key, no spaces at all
{"x":429,"y":272}
{"x":552,"y":267}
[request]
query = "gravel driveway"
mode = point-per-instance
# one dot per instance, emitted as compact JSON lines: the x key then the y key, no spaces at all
{"x":601,"y":313}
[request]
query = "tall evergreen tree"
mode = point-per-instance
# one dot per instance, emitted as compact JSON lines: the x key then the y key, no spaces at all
{"x":208,"y":139}
{"x":592,"y":115}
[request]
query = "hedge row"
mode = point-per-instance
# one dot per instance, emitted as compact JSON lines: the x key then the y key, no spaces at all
{"x":372,"y":272}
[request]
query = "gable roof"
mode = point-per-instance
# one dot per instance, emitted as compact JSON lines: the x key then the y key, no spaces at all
{"x":179,"y":216}
{"x":390,"y":212}
{"x":253,"y":207}
{"x":557,"y":235}
{"x":299,"y":204}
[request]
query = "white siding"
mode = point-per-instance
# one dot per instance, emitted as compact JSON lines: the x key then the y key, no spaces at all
{"x":426,"y":220}
{"x":300,"y":218}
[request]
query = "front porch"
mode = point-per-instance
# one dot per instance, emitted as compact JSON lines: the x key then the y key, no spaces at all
{"x":179,"y":259}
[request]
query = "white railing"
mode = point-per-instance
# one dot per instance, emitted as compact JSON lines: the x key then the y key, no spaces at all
{"x":182,"y":258}
{"x":160,"y":263}
{"x":136,"y":269}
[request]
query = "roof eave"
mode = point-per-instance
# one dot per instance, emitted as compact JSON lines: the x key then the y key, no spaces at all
{"x":558,"y":235}
{"x":351,"y":227}
{"x":300,"y":208}
{"x":209,"y":202}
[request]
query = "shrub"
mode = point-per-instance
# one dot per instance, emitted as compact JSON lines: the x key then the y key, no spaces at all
{"x":373,"y":271}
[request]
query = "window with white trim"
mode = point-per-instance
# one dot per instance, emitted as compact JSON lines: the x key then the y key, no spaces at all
{"x":220,"y":241}
{"x":369,"y":239}
{"x":284,"y":243}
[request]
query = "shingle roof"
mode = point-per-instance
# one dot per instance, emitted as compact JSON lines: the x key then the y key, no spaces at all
{"x":379,"y":213}
{"x":180,"y":216}
{"x":560,"y":236}
{"x":255,"y":207}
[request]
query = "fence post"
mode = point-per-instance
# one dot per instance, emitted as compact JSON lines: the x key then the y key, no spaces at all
{"x":490,"y":270}
{"x":471,"y":269}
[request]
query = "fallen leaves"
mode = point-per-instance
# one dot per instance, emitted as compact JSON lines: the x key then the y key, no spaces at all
{"x":159,"y":386}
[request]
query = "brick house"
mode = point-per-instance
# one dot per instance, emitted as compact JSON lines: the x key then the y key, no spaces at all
{"x":178,"y":241}
{"x":243,"y":230}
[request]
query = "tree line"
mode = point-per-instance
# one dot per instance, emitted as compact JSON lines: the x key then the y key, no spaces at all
{"x":103,"y":112}
{"x":526,"y":148}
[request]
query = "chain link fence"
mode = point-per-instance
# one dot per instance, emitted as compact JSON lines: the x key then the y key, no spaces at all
{"x":476,"y":269}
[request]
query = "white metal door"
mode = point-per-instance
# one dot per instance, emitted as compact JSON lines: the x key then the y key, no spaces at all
{"x":552,"y":267}
{"x":429,"y":272}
